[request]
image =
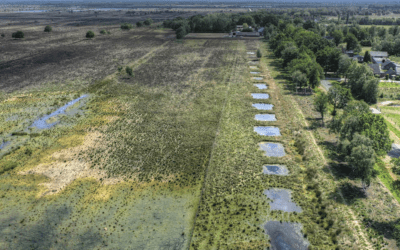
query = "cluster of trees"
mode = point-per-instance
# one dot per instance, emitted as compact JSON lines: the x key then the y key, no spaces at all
{"x":221,"y":22}
{"x":363,"y":135}
{"x":360,"y":79}
{"x":304,"y":52}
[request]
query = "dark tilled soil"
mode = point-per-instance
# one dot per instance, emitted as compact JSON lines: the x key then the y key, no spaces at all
{"x":70,"y":57}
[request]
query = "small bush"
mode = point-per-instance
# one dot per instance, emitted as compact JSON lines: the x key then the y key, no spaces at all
{"x":48,"y":28}
{"x":2,"y":35}
{"x":120,"y":68}
{"x":103,"y":32}
{"x":259,"y":55}
{"x":148,"y":21}
{"x":7,"y":166}
{"x":129,"y":70}
{"x":89,"y":34}
{"x":126,"y":26}
{"x":139,"y":24}
{"x":18,"y":34}
{"x":108,"y":32}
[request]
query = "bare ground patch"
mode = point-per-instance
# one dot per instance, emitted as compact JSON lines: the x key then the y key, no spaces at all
{"x":67,"y":165}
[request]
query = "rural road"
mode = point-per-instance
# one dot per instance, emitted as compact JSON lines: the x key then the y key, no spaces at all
{"x":375,"y":111}
{"x":327,"y":85}
{"x":395,"y":152}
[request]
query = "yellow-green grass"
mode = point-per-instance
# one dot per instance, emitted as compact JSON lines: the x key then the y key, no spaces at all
{"x":394,"y":58}
{"x":364,"y":49}
{"x":389,"y":85}
{"x":381,"y":26}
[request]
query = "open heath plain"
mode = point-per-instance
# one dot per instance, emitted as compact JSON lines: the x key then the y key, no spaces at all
{"x":136,"y":140}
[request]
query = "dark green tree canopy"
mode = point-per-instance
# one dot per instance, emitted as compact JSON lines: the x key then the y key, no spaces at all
{"x":367,"y":57}
{"x":89,"y":34}
{"x":48,"y":28}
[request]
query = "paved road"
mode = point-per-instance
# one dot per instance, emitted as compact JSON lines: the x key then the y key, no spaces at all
{"x":395,"y":152}
{"x":327,"y":84}
{"x":375,"y":111}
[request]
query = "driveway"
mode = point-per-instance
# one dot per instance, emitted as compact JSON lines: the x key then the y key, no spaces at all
{"x":327,"y":84}
{"x":395,"y":152}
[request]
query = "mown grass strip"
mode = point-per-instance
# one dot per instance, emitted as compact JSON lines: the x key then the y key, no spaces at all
{"x":386,"y":178}
{"x":393,"y":129}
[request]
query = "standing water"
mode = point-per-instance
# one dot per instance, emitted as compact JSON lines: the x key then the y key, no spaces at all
{"x":41,"y":122}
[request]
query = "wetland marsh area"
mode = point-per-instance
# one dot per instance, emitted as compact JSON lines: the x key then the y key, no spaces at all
{"x":137,"y":140}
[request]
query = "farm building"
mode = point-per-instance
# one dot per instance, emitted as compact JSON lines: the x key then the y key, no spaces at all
{"x":379,"y":54}
{"x":358,"y":58}
{"x":376,"y":68}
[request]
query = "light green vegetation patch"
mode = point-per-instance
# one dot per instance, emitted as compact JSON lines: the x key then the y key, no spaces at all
{"x":389,"y":85}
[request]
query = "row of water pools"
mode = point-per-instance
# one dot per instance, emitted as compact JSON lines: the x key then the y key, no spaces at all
{"x":46,"y":121}
{"x":283,"y":235}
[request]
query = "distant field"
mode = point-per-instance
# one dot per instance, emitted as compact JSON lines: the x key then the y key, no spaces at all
{"x":384,"y":26}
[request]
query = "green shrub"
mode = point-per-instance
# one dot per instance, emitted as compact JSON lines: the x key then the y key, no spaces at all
{"x":139,"y":24}
{"x":126,"y":26}
{"x":7,"y":167}
{"x":148,"y":21}
{"x":129,"y":70}
{"x":120,"y":68}
{"x":2,"y":35}
{"x":18,"y":34}
{"x":259,"y":55}
{"x":48,"y":28}
{"x":396,"y":233}
{"x":103,"y":32}
{"x":89,"y":34}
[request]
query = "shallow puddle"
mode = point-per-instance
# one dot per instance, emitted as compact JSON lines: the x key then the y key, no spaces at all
{"x":45,"y":123}
{"x":261,"y":86}
{"x":267,"y":131}
{"x":263,"y":106}
{"x":251,"y":53}
{"x":275,"y":170}
{"x":3,"y":144}
{"x":255,"y":73}
{"x":281,"y":200}
{"x":286,"y":235}
{"x":272,"y":149}
{"x":265,"y":117}
{"x":260,"y":96}
{"x":257,"y":78}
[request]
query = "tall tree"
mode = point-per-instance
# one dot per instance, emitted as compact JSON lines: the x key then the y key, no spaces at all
{"x":344,"y":64}
{"x":362,"y":159}
{"x":352,"y":42}
{"x":321,"y":104}
{"x":338,"y":97}
{"x":299,"y":79}
{"x":338,"y":36}
{"x":367,"y":57}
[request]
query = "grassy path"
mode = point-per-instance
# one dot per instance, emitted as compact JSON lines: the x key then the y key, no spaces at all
{"x":232,"y":74}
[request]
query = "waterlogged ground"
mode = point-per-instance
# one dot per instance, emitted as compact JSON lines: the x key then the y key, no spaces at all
{"x":120,"y":168}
